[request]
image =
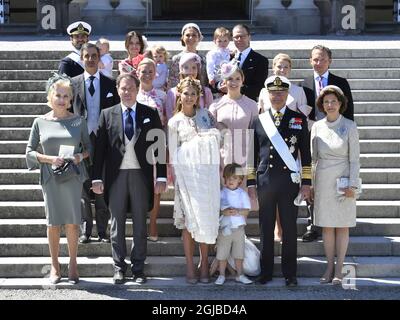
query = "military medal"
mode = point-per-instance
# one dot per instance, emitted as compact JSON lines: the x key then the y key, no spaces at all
{"x":296,"y":177}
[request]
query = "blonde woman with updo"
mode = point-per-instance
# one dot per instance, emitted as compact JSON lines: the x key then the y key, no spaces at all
{"x":194,"y":154}
{"x":63,"y":137}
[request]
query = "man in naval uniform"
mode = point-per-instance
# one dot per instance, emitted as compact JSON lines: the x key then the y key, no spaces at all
{"x":280,"y":135}
{"x":72,"y":65}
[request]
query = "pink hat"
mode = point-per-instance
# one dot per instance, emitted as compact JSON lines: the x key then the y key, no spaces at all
{"x":188,"y":56}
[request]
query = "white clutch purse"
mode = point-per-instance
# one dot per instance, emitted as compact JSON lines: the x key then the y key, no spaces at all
{"x":343,"y":183}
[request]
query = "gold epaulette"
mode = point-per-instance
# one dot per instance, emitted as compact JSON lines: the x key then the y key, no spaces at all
{"x":306,"y":172}
{"x":251,"y":173}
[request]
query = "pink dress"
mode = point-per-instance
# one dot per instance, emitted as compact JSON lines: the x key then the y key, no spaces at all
{"x":205,"y":100}
{"x":156,"y":99}
{"x":234,"y":117}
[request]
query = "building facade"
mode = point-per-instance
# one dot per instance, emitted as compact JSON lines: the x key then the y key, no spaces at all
{"x":165,"y":16}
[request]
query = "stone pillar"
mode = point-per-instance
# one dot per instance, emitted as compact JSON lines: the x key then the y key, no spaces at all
{"x":272,"y":13}
{"x":325,"y":10}
{"x":305,"y":17}
{"x":130,"y":14}
{"x":348,"y":16}
{"x":96,"y":13}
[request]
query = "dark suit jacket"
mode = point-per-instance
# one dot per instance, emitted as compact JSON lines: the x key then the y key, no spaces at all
{"x":70,"y":67}
{"x":110,"y":147}
{"x":107,"y":86}
{"x":309,"y":89}
{"x":255,"y":69}
{"x":265,"y":155}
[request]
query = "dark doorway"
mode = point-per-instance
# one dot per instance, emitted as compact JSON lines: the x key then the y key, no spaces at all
{"x":201,"y":9}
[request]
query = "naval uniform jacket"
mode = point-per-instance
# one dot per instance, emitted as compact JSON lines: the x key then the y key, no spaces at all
{"x":70,"y":67}
{"x":294,"y":131}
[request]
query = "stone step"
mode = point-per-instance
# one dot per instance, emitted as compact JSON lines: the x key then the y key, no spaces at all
{"x":377,"y":119}
{"x":366,"y":146}
{"x":369,"y":160}
{"x":353,"y":73}
{"x":365,"y":73}
{"x":380,"y":146}
{"x":355,"y":84}
{"x":17,"y":120}
{"x":297,"y":63}
{"x":379,"y":132}
{"x":365,"y":133}
{"x":366,"y":119}
{"x":372,"y":175}
{"x":23,"y":108}
{"x":40,"y":96}
{"x":365,"y":227}
{"x":376,"y":106}
{"x":156,"y":266}
{"x":347,"y":53}
{"x":35,"y":210}
{"x":38,"y":247}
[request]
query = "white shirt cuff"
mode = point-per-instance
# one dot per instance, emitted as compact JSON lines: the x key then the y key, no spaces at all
{"x":161,"y":180}
{"x":94,"y":181}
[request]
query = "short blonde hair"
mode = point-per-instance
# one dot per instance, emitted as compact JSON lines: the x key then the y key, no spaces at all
{"x":147,"y":61}
{"x":281,"y":56}
{"x":160,"y":49}
{"x":222,"y":32}
{"x":103,"y":41}
{"x":65,"y":83}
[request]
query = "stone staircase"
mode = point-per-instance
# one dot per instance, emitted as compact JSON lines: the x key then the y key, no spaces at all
{"x":374,"y":248}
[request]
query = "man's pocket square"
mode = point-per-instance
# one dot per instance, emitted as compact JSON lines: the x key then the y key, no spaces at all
{"x":109,"y":95}
{"x":146,"y":120}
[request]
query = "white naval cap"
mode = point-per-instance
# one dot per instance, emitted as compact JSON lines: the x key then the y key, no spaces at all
{"x":79,"y":27}
{"x":277,"y":83}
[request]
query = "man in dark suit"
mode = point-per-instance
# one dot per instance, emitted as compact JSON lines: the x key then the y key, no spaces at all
{"x":279,"y":135}
{"x":72,"y":65}
{"x":130,"y":140}
{"x":93,"y":92}
{"x":253,"y":64}
{"x":321,"y":59}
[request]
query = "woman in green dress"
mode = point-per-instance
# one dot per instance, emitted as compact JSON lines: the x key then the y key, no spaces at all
{"x":62,"y":136}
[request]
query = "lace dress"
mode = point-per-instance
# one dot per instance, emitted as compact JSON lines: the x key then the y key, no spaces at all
{"x":194,"y":154}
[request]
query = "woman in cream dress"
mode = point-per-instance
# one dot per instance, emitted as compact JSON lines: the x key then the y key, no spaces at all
{"x":194,"y":154}
{"x":335,"y":153}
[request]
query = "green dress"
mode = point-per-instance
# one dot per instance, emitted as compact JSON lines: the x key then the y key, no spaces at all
{"x":62,"y":200}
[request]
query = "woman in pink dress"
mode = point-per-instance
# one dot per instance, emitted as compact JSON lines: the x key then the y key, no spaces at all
{"x":189,"y":66}
{"x":234,"y":113}
{"x":156,"y":99}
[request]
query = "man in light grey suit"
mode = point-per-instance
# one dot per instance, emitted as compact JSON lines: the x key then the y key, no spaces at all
{"x":130,"y":141}
{"x":92,"y":93}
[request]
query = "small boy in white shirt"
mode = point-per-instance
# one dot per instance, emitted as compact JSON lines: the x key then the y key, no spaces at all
{"x":235,"y":206}
{"x":106,"y":61}
{"x":216,"y":56}
{"x":160,"y":57}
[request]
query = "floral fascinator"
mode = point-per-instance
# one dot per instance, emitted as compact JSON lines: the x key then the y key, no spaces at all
{"x":55,"y":78}
{"x":228,"y":68}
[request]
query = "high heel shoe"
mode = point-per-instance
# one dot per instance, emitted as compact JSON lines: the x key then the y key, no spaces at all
{"x":54,"y":279}
{"x":337,"y":281}
{"x":324,"y":280}
{"x":73,"y":279}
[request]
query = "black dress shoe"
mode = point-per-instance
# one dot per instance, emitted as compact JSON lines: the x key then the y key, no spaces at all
{"x":104,"y":239}
{"x":84,"y":239}
{"x":310,"y":236}
{"x":291,"y":282}
{"x":119,"y":277}
{"x":263,"y":279}
{"x":139,"y":277}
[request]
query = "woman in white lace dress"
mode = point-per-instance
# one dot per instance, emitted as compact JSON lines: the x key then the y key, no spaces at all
{"x":194,"y":154}
{"x":335,"y":154}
